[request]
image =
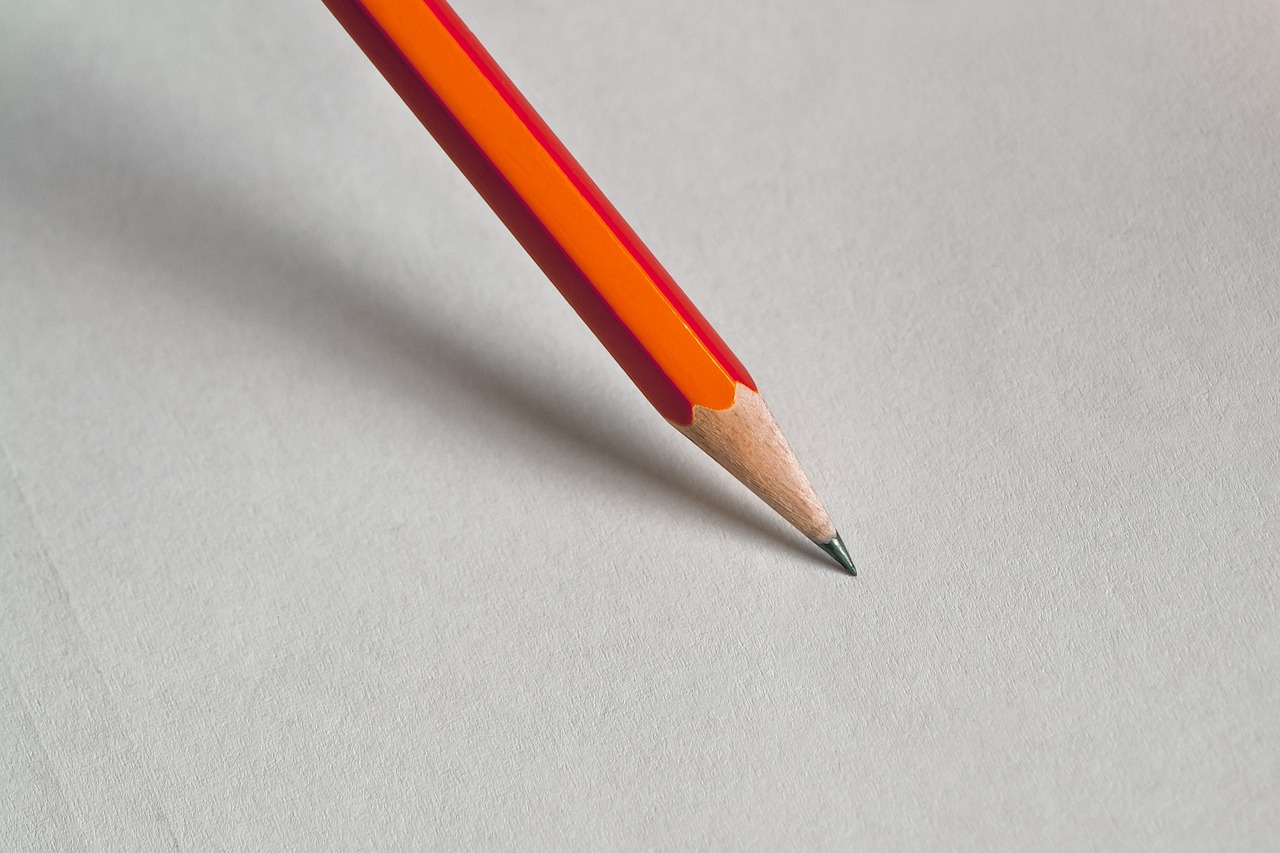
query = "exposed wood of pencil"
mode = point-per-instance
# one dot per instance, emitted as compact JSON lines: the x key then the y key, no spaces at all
{"x":746,"y":440}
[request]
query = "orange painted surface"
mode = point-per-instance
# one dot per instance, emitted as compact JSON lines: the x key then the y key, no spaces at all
{"x":611,"y":259}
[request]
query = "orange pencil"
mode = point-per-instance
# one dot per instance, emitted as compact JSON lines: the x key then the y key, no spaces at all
{"x":585,"y":247}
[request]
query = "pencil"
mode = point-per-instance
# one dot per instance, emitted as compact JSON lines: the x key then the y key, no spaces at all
{"x":585,"y":248}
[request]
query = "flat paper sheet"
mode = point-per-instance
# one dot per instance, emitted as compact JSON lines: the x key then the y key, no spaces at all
{"x":328,"y":526}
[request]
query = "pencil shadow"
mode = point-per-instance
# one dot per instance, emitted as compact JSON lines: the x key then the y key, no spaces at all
{"x":107,"y":190}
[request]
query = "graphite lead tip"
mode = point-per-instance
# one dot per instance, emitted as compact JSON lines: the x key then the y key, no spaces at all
{"x":839,"y":553}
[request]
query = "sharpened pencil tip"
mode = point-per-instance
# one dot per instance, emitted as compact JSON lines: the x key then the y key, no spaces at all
{"x":839,"y":553}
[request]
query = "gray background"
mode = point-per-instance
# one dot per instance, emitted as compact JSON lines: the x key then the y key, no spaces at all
{"x":326,"y":525}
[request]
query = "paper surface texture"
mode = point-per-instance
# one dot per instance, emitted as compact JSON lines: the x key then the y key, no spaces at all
{"x":326,"y":525}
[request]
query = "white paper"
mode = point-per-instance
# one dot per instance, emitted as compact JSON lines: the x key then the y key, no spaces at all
{"x":327,"y":525}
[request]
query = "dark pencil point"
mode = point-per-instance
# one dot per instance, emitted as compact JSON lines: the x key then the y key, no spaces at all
{"x":839,"y":553}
